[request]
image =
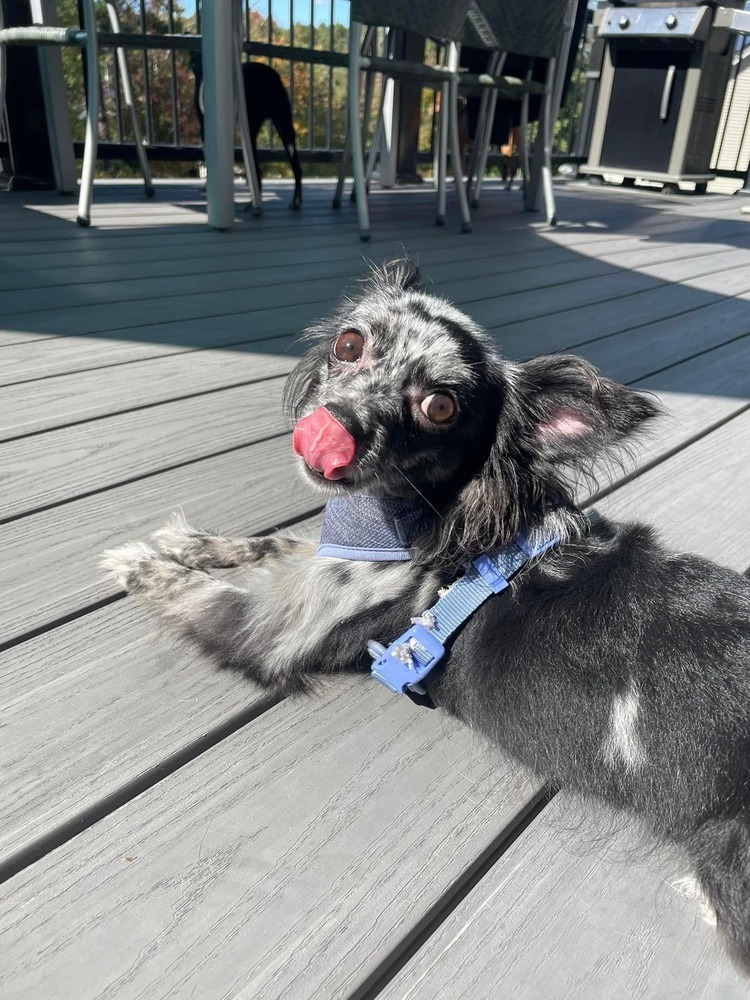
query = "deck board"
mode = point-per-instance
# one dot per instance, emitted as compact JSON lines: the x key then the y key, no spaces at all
{"x":613,"y":927}
{"x":79,"y":396}
{"x":241,"y":907}
{"x":69,"y":462}
{"x":274,"y":846}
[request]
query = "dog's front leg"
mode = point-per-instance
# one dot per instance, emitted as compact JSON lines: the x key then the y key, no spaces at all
{"x":305,"y":616}
{"x":199,"y":549}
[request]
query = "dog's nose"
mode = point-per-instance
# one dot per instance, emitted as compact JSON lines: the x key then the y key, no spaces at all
{"x":324,"y":443}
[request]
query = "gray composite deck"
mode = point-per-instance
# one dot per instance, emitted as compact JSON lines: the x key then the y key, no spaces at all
{"x":166,"y":830}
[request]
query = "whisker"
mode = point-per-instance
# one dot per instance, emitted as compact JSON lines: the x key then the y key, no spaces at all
{"x":417,"y":490}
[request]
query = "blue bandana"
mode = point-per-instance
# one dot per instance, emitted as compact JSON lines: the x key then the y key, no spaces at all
{"x":373,"y":529}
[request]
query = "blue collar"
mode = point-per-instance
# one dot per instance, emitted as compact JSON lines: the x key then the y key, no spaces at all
{"x":373,"y":529}
{"x":404,"y":665}
{"x":379,"y":529}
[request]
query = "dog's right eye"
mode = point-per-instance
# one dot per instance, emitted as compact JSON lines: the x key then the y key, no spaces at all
{"x":349,"y":346}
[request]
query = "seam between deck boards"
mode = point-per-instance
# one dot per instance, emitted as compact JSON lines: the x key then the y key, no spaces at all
{"x":93,"y":606}
{"x":143,"y":475}
{"x":428,"y":925}
{"x":232,"y":345}
{"x":141,"y":406}
{"x":37,"y":849}
{"x":630,"y":477}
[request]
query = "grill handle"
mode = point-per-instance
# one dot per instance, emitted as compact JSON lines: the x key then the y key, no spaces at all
{"x":667,"y":93}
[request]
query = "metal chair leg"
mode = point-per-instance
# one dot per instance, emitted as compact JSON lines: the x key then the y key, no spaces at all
{"x":127,"y":93}
{"x":443,"y":121}
{"x":455,"y":144}
{"x":377,"y":137}
{"x":475,"y":146}
{"x":92,"y":115}
{"x":546,"y":151}
{"x":524,"y":138}
{"x":484,"y":129}
{"x":368,"y":48}
{"x":248,"y":155}
{"x":484,"y":152}
{"x":346,"y":153}
{"x":355,"y":131}
{"x":540,"y":176}
{"x":345,"y":156}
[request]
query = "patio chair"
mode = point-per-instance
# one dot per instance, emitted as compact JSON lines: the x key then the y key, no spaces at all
{"x":86,"y":38}
{"x":439,"y":19}
{"x":535,"y":30}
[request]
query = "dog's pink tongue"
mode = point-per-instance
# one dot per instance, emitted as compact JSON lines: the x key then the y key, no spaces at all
{"x":324,"y":443}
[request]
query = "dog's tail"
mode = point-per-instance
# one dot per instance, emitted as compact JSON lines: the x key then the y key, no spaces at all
{"x":720,"y":852}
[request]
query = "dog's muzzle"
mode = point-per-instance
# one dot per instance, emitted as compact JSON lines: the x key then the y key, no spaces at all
{"x":324,"y":443}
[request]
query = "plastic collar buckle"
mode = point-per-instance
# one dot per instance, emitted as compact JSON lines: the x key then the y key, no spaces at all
{"x":491,"y":576}
{"x":408,"y":660}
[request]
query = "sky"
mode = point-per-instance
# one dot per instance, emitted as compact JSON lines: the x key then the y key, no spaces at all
{"x":281,"y":10}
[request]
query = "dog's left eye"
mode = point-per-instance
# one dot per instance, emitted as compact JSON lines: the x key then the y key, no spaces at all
{"x":349,"y":346}
{"x":439,"y":408}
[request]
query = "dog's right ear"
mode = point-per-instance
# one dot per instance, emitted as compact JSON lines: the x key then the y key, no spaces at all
{"x":574,"y":414}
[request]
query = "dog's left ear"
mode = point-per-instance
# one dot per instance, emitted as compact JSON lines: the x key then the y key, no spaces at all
{"x":559,"y":415}
{"x":572,"y":413}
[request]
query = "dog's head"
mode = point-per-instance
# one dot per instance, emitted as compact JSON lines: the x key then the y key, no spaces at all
{"x":402,"y":394}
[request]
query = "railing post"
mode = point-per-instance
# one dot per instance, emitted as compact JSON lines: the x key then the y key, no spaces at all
{"x":218,"y":62}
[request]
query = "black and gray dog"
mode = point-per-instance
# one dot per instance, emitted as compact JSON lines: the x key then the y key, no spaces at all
{"x":611,"y":667}
{"x":266,"y":99}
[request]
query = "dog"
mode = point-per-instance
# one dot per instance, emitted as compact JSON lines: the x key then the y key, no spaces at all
{"x":266,"y":99}
{"x":609,"y":666}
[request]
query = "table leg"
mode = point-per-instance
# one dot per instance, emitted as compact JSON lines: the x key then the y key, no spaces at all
{"x":218,"y":96}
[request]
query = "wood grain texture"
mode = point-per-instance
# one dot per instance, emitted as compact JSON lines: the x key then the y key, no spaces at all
{"x":83,"y":299}
{"x":232,"y":274}
{"x":62,"y":464}
{"x":68,"y":399}
{"x":567,"y":914}
{"x":278,"y":882}
{"x":51,"y":268}
{"x":92,"y":706}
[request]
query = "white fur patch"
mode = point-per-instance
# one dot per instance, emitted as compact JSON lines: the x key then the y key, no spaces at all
{"x":689,"y":887}
{"x":122,"y":561}
{"x":623,"y":744}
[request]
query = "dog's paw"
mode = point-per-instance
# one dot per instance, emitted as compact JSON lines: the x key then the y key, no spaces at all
{"x":128,"y":562}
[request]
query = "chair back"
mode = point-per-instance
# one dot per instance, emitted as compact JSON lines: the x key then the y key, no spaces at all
{"x":443,"y":19}
{"x":523,"y":27}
